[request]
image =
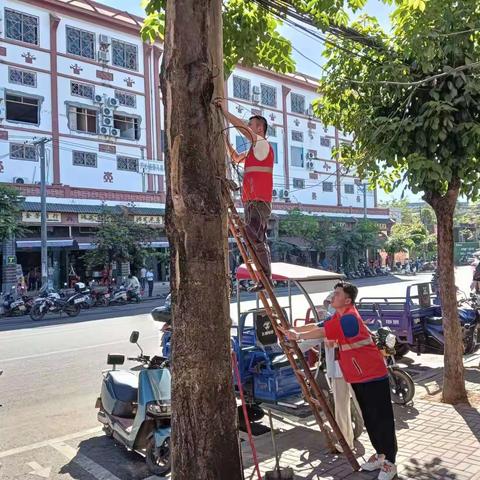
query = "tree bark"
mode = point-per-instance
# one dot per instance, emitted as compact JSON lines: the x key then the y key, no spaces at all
{"x":204,"y":432}
{"x":453,"y":375}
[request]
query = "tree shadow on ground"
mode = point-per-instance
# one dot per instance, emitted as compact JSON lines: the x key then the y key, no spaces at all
{"x":101,"y":455}
{"x":432,"y":470}
{"x":403,"y":414}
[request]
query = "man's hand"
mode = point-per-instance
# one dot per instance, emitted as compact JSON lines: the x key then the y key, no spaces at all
{"x":220,"y":103}
{"x":291,"y":335}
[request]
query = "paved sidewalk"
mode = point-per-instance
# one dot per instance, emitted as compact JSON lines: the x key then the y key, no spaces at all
{"x":435,"y":441}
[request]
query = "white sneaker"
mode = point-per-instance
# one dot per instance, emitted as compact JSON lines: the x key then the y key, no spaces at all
{"x":375,"y":462}
{"x":388,"y":472}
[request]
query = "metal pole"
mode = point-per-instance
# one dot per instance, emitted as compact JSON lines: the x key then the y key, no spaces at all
{"x":43,"y":217}
{"x":365,"y":200}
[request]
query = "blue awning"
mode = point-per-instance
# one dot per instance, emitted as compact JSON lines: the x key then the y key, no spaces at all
{"x":50,"y":243}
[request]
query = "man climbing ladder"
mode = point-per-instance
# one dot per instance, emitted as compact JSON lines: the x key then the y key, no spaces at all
{"x":257,"y":182}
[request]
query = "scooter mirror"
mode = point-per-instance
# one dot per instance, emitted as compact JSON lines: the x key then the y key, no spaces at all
{"x":134,"y":337}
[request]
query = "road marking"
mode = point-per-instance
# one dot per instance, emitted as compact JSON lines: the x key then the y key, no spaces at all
{"x":58,"y":352}
{"x":38,"y":470}
{"x":14,"y":451}
{"x":83,"y":461}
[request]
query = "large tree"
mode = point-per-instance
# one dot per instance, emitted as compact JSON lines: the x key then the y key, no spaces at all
{"x":10,"y":213}
{"x":413,"y":106}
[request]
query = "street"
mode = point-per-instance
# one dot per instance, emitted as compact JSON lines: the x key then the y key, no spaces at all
{"x":52,"y":375}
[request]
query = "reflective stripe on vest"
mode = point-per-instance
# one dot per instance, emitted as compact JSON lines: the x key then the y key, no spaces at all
{"x":258,"y":169}
{"x":359,"y":344}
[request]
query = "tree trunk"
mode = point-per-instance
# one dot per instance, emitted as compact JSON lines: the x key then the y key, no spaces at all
{"x":453,"y":375}
{"x":204,"y":432}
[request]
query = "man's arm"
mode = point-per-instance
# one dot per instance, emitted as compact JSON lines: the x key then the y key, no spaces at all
{"x":238,"y":123}
{"x":235,"y":156}
{"x":316,"y":333}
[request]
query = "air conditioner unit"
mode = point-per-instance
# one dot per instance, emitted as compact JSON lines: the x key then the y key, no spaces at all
{"x":274,"y":193}
{"x":112,"y":102}
{"x":107,"y":112}
{"x":104,"y":39}
{"x":309,"y":165}
{"x":107,"y":121}
{"x":20,"y":180}
{"x":310,"y":155}
{"x":115,"y":132}
{"x":309,"y":111}
{"x":255,"y":97}
{"x":256,"y":90}
{"x":286,"y":194}
{"x":102,"y":56}
{"x":98,"y":99}
{"x":104,"y":130}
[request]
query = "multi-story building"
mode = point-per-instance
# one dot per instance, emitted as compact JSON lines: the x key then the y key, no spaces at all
{"x":78,"y":74}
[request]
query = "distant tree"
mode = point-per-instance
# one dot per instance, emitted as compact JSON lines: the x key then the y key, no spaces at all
{"x":10,"y":213}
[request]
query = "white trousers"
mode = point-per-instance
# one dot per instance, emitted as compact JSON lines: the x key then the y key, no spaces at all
{"x":342,"y":391}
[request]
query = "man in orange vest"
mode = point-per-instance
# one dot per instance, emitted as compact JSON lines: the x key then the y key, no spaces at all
{"x":364,"y":368}
{"x":257,"y":182}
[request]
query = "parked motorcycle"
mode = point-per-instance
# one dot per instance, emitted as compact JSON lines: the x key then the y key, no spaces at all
{"x":51,"y":302}
{"x":13,"y":306}
{"x":135,"y":409}
{"x":118,"y":296}
{"x":133,"y":296}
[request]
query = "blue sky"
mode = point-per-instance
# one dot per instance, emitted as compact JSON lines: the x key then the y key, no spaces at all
{"x":311,"y":47}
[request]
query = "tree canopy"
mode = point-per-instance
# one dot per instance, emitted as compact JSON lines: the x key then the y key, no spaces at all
{"x":10,"y":212}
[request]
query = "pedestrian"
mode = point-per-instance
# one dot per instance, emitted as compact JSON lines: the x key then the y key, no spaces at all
{"x":133,"y":283}
{"x":149,"y":276}
{"x":257,"y":183}
{"x":476,"y":279}
{"x":143,"y":274}
{"x":363,"y":366}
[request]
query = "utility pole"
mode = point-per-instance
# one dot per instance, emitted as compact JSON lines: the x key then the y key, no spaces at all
{"x":43,"y":203}
{"x":365,"y":200}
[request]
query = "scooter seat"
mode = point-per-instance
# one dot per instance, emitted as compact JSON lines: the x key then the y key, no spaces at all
{"x":124,"y":385}
{"x":279,"y":361}
{"x":434,"y":320}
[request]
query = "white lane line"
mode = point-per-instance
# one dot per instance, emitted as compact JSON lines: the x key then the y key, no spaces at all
{"x":78,"y":349}
{"x":83,"y":461}
{"x":14,"y":451}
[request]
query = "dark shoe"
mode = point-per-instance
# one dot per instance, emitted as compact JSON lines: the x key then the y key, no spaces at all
{"x":258,"y":287}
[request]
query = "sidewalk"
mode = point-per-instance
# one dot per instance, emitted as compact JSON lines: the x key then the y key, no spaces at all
{"x":435,"y":441}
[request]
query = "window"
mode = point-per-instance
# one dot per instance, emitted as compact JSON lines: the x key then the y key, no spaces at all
{"x":297,"y":136}
{"x":349,"y":188}
{"x":325,"y":142}
{"x":84,"y":159}
{"x":314,"y":195}
{"x":241,"y":144}
{"x":20,"y":26}
{"x":275,"y":152}
{"x":129,"y":127}
{"x":82,"y":119}
{"x":296,"y":154}
{"x":82,"y":90}
{"x":297,"y":103}
{"x":22,"y":77}
{"x":20,"y":151}
{"x":128,"y":164}
{"x":269,"y":95}
{"x":327,"y":186}
{"x":241,"y":88}
{"x":124,"y":55}
{"x":298,"y":183}
{"x":22,"y":109}
{"x":271,"y":131}
{"x":80,"y":42}
{"x":126,"y":99}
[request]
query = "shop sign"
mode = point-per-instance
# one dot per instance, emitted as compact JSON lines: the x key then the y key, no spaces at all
{"x":155,"y":220}
{"x":35,"y":217}
{"x":150,"y":166}
{"x":11,"y":260}
{"x":88,"y":218}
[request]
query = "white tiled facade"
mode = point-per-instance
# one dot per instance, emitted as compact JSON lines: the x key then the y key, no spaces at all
{"x":118,"y":170}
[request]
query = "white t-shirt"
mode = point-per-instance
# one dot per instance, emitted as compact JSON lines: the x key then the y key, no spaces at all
{"x":149,"y":276}
{"x":143,"y":272}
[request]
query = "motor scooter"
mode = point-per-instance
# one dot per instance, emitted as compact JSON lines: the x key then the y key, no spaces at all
{"x":135,"y":408}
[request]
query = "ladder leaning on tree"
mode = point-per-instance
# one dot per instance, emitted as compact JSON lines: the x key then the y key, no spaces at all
{"x":311,"y":391}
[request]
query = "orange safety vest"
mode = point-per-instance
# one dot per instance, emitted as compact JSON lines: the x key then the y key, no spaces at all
{"x":360,"y":360}
{"x":258,"y":177}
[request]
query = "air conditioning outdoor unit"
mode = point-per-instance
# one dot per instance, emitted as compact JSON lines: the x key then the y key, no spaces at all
{"x":112,"y":102}
{"x":309,"y":165}
{"x":256,"y":89}
{"x":104,"y":39}
{"x":98,"y":99}
{"x":20,"y":180}
{"x":309,"y":111}
{"x":286,"y":194}
{"x":104,"y":130}
{"x":102,"y":56}
{"x":274,"y":193}
{"x":107,"y":121}
{"x":107,"y":112}
{"x":115,"y":132}
{"x":310,"y":155}
{"x":255,"y":97}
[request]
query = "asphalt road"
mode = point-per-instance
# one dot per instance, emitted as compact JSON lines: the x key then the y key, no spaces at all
{"x":52,"y":376}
